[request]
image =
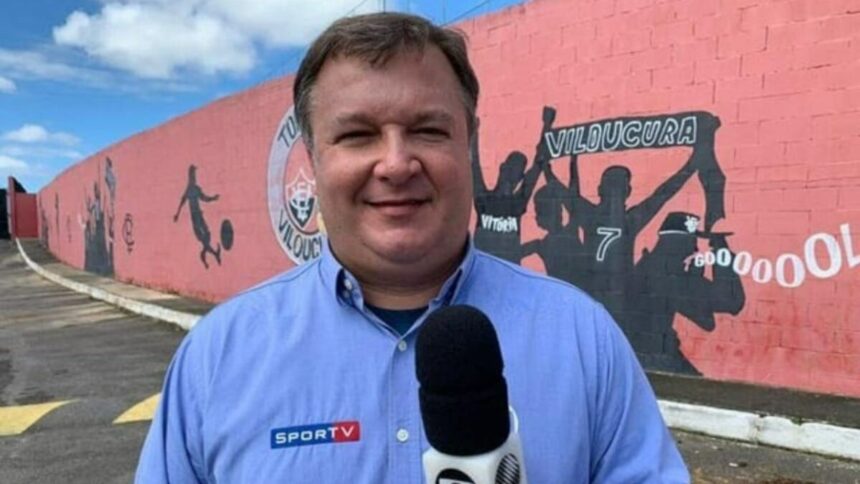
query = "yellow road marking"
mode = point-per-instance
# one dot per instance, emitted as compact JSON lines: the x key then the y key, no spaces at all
{"x":140,"y":412}
{"x":16,"y":420}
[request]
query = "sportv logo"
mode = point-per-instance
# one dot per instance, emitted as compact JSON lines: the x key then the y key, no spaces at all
{"x":325,"y":433}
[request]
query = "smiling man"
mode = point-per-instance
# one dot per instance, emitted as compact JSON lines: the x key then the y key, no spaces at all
{"x":310,"y":377}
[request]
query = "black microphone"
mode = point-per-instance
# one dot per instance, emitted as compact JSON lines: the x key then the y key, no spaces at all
{"x":464,"y":401}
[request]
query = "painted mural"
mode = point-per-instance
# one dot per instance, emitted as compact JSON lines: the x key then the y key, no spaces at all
{"x":98,"y":225}
{"x":194,"y":195}
{"x":693,"y":166}
{"x":591,"y":243}
{"x":128,"y":232}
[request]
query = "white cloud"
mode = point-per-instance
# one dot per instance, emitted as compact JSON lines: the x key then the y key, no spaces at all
{"x":30,"y":174}
{"x":33,"y":133}
{"x":7,"y":85}
{"x":153,"y":40}
{"x":285,"y":23}
{"x":158,"y":39}
{"x":35,"y":65}
{"x":13,"y":165}
{"x":30,"y":151}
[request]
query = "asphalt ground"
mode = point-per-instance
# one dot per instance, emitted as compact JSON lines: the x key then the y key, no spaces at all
{"x":60,"y":346}
{"x":56,"y":346}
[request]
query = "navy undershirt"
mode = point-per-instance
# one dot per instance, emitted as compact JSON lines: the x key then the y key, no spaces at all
{"x":399,"y":319}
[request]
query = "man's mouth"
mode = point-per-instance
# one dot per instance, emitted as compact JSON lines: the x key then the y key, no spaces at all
{"x":398,"y":207}
{"x":398,"y":203}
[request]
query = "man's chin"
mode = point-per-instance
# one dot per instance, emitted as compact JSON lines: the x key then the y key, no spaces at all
{"x":404,"y":254}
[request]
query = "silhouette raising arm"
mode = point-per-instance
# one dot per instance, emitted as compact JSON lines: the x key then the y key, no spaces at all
{"x":642,"y":213}
{"x":541,"y":159}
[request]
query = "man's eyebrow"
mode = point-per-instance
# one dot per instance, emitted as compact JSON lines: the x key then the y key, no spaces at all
{"x":434,"y":115}
{"x":431,"y":115}
{"x":352,"y":118}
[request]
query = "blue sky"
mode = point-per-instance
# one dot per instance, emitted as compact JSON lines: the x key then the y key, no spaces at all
{"x":79,"y":75}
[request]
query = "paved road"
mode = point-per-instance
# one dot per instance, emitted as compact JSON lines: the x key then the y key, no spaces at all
{"x":55,"y":346}
{"x":58,"y":346}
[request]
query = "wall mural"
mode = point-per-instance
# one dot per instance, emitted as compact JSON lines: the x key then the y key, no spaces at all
{"x":128,"y":232}
{"x":98,"y":227}
{"x":292,"y":201}
{"x":194,"y":195}
{"x":594,"y":248}
{"x":57,"y":215}
{"x":44,"y":235}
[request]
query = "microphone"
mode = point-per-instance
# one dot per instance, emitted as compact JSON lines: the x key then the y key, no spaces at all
{"x":464,"y":401}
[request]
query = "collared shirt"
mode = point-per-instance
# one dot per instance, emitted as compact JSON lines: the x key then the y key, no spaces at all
{"x":296,"y":381}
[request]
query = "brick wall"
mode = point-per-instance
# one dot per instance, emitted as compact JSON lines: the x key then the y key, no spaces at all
{"x":761,"y":286}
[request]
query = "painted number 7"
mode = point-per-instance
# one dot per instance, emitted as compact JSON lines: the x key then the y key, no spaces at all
{"x":610,"y":235}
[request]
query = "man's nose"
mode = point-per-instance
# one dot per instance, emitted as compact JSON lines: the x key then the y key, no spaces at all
{"x":397,"y":161}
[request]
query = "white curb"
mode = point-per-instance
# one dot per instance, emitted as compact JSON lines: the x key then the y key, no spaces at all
{"x":814,"y":437}
{"x":182,"y":319}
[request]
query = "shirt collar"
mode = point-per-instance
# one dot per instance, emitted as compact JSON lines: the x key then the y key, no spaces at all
{"x":340,"y":283}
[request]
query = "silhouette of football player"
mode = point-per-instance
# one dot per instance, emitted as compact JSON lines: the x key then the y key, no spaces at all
{"x":666,"y":283}
{"x":194,"y":195}
{"x":500,"y":210}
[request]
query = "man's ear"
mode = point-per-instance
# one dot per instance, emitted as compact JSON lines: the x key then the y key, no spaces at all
{"x":321,"y":223}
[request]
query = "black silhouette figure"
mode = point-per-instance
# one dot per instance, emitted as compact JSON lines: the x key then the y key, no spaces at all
{"x":501,"y":209}
{"x":665,"y":283}
{"x":46,"y":229}
{"x":110,"y":183}
{"x":610,"y":228}
{"x":57,"y":214}
{"x":98,"y":254}
{"x":561,"y":249}
{"x":194,"y":195}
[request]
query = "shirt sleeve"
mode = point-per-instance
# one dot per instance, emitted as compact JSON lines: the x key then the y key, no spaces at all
{"x":172,"y":452}
{"x":631,"y":442}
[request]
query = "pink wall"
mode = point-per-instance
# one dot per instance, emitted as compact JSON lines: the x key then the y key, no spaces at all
{"x":25,"y":216}
{"x":22,"y":212}
{"x":777,"y":306}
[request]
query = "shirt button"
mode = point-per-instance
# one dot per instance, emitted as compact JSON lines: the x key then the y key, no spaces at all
{"x":402,"y":435}
{"x":402,"y":345}
{"x":347,"y":284}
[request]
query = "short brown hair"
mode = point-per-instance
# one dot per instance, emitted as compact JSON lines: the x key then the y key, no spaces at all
{"x":376,"y":38}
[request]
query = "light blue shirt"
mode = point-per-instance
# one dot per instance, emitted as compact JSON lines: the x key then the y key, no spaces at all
{"x":261,"y":386}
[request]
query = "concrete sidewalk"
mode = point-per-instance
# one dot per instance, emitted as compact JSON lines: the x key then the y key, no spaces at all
{"x":822,"y":424}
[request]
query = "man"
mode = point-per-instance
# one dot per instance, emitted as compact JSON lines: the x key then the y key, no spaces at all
{"x":310,"y":377}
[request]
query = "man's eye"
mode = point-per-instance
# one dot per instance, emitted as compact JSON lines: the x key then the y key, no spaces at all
{"x":431,"y":132}
{"x":356,"y":135}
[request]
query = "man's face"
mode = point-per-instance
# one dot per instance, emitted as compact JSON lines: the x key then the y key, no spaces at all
{"x":390,"y":151}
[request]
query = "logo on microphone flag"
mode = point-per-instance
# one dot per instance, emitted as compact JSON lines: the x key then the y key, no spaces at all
{"x":324,"y":433}
{"x":453,"y":476}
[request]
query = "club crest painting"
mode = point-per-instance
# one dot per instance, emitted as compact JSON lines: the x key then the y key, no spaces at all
{"x":694,"y":168}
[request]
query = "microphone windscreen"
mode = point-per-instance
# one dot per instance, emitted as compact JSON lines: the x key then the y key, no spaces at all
{"x":463,"y":394}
